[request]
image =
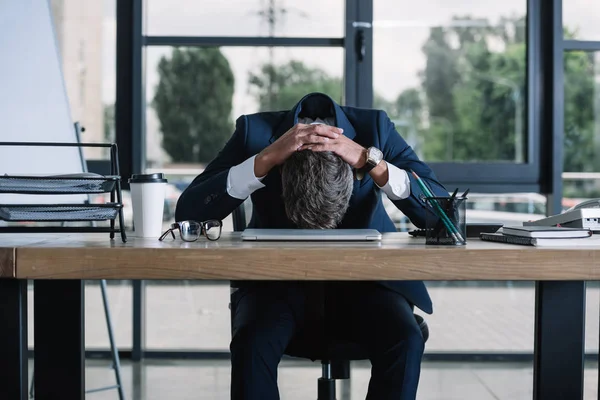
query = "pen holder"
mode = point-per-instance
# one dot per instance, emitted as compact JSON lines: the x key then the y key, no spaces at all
{"x":445,"y":221}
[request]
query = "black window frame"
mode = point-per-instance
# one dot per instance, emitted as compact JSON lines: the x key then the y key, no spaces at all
{"x":541,"y":173}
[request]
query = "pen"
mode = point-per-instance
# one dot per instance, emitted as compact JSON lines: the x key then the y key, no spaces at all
{"x":439,"y":225}
{"x":451,"y":202}
{"x":452,"y":206}
{"x":455,"y":193}
{"x":463,"y":197}
{"x":449,"y":225}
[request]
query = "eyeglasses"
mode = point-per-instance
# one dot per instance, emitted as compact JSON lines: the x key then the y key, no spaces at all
{"x":190,"y":231}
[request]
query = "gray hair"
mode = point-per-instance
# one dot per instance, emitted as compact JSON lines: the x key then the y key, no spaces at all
{"x":316,"y":189}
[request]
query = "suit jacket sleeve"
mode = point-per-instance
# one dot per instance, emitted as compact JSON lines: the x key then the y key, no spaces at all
{"x":396,"y":151}
{"x":207,"y":197}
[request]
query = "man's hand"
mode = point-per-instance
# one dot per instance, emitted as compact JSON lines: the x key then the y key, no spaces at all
{"x":295,"y":139}
{"x":354,"y":154}
{"x":349,"y":151}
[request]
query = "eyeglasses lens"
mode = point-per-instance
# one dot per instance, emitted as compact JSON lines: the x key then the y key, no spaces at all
{"x":190,"y":231}
{"x":213,"y":229}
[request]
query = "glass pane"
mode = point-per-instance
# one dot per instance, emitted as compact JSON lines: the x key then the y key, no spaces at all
{"x":453,"y":78}
{"x":86,"y":37}
{"x":580,"y":19}
{"x":494,"y":208}
{"x":505,"y":208}
{"x":463,"y":327}
{"x":582,"y":124}
{"x":119,"y":294}
{"x":484,"y":317}
{"x":189,"y":314}
{"x":309,"y":18}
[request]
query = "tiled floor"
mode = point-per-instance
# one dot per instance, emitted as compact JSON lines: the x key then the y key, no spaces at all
{"x":209,"y":380}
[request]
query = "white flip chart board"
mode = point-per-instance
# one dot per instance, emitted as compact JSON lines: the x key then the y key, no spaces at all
{"x":33,"y":101}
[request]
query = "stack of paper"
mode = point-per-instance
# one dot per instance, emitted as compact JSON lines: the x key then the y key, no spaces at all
{"x":540,"y":236}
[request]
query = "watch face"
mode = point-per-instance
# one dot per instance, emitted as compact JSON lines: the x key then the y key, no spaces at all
{"x":374,"y":156}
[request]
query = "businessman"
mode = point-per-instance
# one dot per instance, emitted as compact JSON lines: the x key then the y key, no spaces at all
{"x":318,"y":165}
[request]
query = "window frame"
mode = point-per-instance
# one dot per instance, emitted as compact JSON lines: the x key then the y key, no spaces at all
{"x":540,"y":173}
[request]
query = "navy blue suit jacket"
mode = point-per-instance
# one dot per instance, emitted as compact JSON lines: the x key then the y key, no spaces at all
{"x":207,"y":197}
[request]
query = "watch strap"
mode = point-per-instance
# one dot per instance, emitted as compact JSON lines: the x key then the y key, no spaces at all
{"x":368,"y":166}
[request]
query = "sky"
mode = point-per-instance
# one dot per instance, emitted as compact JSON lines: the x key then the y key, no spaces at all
{"x":400,"y":29}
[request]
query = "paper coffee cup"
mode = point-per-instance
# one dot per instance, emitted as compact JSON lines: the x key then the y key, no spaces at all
{"x":148,"y":201}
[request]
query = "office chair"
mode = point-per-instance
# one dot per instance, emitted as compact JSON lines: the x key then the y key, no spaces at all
{"x":335,"y":355}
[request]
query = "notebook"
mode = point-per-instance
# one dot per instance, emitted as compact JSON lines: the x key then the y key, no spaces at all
{"x":473,"y":230}
{"x":311,"y":234}
{"x":529,"y":241}
{"x":546,"y":232}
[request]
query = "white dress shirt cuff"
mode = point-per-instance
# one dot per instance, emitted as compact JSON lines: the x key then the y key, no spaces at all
{"x":241,"y":181}
{"x":398,"y":184}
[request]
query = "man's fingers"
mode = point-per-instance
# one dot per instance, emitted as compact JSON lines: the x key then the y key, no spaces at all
{"x":322,"y":130}
{"x":316,"y":147}
{"x":311,"y":139}
{"x":329,"y":131}
{"x":315,"y":139}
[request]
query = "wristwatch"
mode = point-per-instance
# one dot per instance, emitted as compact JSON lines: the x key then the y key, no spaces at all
{"x":374,"y":157}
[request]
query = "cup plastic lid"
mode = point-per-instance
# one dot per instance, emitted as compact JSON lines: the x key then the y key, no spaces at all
{"x":148,"y":178}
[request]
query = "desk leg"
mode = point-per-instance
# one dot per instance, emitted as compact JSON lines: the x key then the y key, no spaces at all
{"x":559,"y":340}
{"x":59,"y":356}
{"x":13,"y":339}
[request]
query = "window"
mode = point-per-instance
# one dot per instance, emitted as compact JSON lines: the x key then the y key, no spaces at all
{"x":580,"y":19}
{"x":486,"y":208}
{"x":252,"y":79}
{"x":86,"y":38}
{"x":453,"y":78}
{"x":582,"y":125}
{"x":309,"y":18}
{"x":581,"y":180}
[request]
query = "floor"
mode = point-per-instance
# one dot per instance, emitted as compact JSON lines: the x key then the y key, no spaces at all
{"x":204,"y":380}
{"x":472,"y":317}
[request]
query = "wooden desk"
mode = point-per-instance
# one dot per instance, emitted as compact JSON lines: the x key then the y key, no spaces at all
{"x":59,"y":263}
{"x":8,"y":244}
{"x":397,"y":257}
{"x":7,"y":262}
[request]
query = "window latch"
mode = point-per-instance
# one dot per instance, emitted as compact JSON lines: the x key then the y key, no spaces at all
{"x":360,"y":45}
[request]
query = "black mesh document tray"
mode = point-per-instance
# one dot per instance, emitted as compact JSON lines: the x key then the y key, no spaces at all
{"x":57,"y":184}
{"x":60,"y":213}
{"x":77,"y":183}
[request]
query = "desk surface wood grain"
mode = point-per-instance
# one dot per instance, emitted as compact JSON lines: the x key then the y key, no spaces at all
{"x":7,"y":262}
{"x":8,"y":243}
{"x":397,"y":256}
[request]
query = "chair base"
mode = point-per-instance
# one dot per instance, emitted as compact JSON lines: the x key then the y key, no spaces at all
{"x":326,"y":389}
{"x":340,"y":369}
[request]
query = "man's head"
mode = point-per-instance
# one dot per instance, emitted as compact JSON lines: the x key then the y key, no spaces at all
{"x":316,"y":189}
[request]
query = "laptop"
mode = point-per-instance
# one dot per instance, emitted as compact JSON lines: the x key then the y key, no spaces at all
{"x":319,"y":235}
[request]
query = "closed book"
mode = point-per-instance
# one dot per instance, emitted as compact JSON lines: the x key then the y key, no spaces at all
{"x":545,"y":232}
{"x":529,"y":241}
